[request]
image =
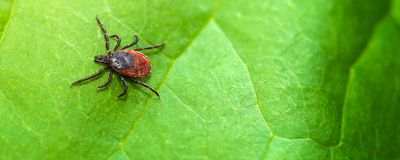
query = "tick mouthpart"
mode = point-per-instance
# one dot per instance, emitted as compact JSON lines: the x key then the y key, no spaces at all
{"x":100,"y":59}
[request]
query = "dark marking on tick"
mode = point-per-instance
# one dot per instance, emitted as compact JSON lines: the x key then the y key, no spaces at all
{"x":121,"y":60}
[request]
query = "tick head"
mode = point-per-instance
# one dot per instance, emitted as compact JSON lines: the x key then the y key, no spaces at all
{"x":101,"y":59}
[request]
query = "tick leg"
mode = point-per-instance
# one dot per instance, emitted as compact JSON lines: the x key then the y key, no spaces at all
{"x":125,"y":86}
{"x":147,"y":86}
{"x":108,"y":81}
{"x":150,"y":47}
{"x":132,"y":44}
{"x":105,"y":35}
{"x":118,"y":41}
{"x":92,"y":76}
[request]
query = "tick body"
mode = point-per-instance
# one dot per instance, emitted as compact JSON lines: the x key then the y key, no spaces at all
{"x":128,"y":64}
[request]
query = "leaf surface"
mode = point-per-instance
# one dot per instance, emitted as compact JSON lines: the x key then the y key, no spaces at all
{"x":238,"y":80}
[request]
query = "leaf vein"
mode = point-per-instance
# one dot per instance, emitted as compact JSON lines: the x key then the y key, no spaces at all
{"x":252,"y":84}
{"x":6,"y":27}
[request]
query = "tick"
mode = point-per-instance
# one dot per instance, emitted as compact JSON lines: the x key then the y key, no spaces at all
{"x":127,"y":64}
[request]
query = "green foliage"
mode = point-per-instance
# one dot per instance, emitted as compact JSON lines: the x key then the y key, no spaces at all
{"x":266,"y":79}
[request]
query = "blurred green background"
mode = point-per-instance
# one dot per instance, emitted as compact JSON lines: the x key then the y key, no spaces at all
{"x":261,"y":79}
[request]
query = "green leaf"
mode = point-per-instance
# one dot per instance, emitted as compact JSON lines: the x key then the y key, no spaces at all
{"x":272,"y":79}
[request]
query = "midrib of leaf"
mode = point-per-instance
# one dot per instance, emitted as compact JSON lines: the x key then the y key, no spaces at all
{"x":267,"y":146}
{"x":163,"y":80}
{"x":248,"y":74}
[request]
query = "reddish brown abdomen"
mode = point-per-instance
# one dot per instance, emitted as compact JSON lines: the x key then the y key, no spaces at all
{"x":141,"y":66}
